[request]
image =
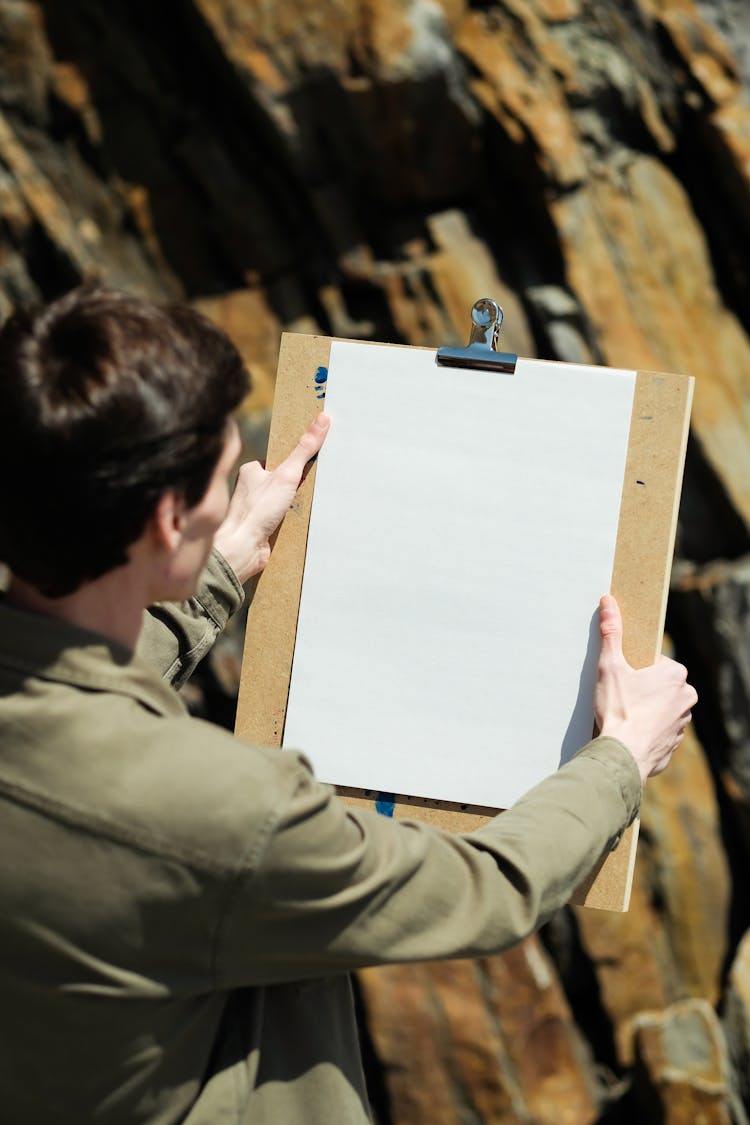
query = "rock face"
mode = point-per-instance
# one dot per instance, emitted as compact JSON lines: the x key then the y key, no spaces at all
{"x":682,"y":1065}
{"x":503,"y":1025}
{"x":737,"y":1018}
{"x":368,"y":168}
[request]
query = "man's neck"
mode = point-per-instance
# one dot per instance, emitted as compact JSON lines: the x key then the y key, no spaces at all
{"x":111,"y":605}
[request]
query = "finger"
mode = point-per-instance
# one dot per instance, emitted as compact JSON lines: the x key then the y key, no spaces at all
{"x":308,"y":445}
{"x":676,"y":672}
{"x":251,"y":473}
{"x":610,"y":628}
{"x":688,"y":697}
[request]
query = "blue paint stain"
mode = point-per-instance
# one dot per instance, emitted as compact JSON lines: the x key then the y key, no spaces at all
{"x":321,"y":378}
{"x":640,"y":482}
{"x":385,"y":804}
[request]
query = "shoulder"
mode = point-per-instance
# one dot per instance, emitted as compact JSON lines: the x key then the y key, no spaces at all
{"x":169,"y":785}
{"x":205,"y":793}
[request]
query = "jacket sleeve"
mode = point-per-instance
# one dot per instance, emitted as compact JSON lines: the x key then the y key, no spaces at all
{"x":175,"y":636}
{"x":338,"y":888}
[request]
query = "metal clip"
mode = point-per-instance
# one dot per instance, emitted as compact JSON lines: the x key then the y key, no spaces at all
{"x":481,"y":353}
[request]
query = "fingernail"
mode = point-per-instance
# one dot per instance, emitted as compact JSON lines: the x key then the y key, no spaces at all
{"x":321,"y":422}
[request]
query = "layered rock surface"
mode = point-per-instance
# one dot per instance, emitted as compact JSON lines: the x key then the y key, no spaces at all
{"x":368,"y":168}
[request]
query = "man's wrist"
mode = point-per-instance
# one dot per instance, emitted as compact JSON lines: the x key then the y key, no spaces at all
{"x":220,"y":592}
{"x":245,"y":559}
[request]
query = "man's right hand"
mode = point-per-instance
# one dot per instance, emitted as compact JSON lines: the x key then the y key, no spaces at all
{"x":260,"y":500}
{"x":647,"y":709}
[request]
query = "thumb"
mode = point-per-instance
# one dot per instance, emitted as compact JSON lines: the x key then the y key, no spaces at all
{"x":610,"y":628}
{"x":308,"y":445}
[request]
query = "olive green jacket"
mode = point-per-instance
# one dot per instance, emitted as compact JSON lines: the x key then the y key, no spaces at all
{"x":179,"y":910}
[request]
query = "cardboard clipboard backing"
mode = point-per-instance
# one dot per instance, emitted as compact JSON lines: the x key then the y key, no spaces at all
{"x":640,"y":579}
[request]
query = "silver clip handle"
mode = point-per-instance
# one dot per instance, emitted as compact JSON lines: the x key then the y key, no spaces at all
{"x":481,"y":353}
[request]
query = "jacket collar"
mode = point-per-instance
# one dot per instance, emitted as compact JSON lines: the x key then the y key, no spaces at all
{"x":45,"y":648}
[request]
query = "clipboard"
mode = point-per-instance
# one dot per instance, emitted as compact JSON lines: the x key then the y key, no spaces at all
{"x":645,"y":530}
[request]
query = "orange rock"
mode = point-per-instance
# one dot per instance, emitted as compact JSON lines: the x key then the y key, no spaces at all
{"x":45,"y":203}
{"x":416,"y":314}
{"x":700,"y":46}
{"x":541,"y":1038}
{"x":731,"y":125}
{"x":246,"y":317}
{"x":631,"y":958}
{"x":292,"y":34}
{"x":737,"y":1016}
{"x":406,"y":1026}
{"x":638,"y":263}
{"x":492,"y":1040}
{"x":519,"y":86}
{"x":684,"y":866}
{"x":682,"y":1074}
{"x":462,"y":271}
{"x":672,"y":943}
{"x":559,"y":10}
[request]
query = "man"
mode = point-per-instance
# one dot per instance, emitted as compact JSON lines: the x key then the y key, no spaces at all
{"x":180,"y":910}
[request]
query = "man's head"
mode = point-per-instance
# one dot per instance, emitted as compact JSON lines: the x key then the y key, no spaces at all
{"x":107,"y":402}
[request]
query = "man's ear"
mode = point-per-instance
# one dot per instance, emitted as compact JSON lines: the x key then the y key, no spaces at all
{"x":166,"y":522}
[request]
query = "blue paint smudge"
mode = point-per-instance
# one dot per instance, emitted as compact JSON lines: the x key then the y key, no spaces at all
{"x":385,"y":804}
{"x":640,"y":482}
{"x":321,"y":375}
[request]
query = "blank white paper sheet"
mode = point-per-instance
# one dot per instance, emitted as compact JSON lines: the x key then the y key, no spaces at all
{"x":463,"y":528}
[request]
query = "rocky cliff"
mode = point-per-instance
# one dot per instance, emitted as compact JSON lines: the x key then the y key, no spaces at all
{"x":368,"y":168}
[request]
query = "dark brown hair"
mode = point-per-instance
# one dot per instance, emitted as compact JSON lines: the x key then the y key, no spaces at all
{"x":106,"y":401}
